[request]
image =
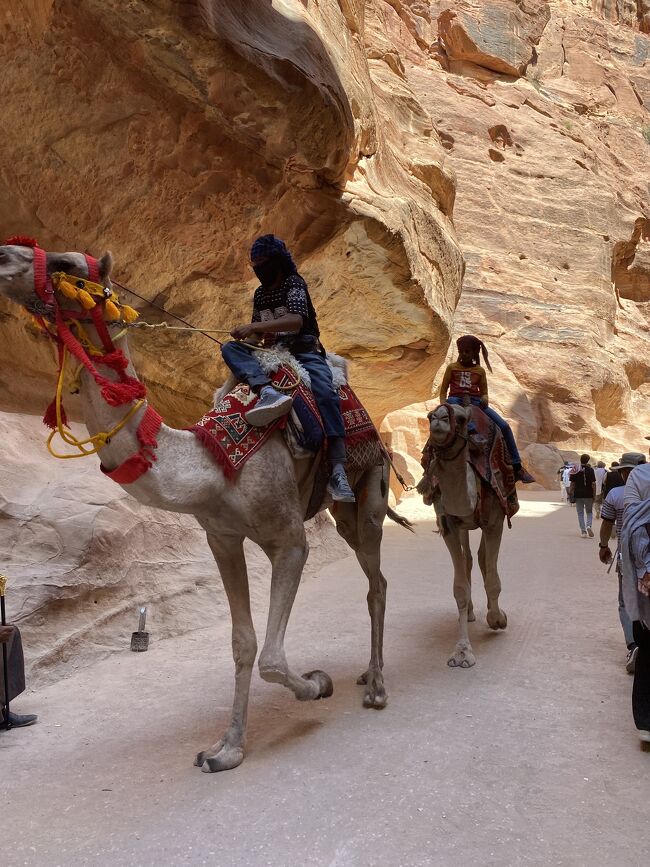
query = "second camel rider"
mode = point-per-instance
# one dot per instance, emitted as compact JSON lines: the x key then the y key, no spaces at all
{"x":466,"y":380}
{"x":284,"y":315}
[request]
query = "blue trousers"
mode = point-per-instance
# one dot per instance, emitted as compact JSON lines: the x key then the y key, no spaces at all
{"x":501,"y":423}
{"x":584,"y":505}
{"x":623,"y":616}
{"x":239,"y":358}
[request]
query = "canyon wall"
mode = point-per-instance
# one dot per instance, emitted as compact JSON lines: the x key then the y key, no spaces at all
{"x":543,"y":109}
{"x":403,"y":149}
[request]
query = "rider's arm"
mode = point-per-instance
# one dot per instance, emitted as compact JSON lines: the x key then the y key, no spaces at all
{"x":444,"y":387}
{"x":484,"y":387}
{"x":290,"y":322}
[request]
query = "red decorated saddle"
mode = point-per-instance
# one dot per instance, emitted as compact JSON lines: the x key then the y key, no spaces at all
{"x":231,"y":440}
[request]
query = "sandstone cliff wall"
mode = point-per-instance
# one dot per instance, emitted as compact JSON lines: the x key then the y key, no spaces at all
{"x":391,"y":142}
{"x":544,"y":111}
{"x":175,"y":132}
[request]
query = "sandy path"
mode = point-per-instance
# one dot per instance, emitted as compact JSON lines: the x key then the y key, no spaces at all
{"x":528,"y":758}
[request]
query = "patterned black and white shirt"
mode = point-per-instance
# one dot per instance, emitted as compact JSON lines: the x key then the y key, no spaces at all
{"x":291,"y":296}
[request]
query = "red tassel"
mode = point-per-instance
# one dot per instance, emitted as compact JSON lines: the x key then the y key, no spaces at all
{"x":118,"y":393}
{"x":149,"y":428}
{"x":21,"y":241}
{"x":117,"y":361}
{"x":49,"y":419}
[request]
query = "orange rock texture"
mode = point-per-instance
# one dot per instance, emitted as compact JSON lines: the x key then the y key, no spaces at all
{"x":368,"y":134}
{"x":175,"y":132}
{"x":544,"y":109}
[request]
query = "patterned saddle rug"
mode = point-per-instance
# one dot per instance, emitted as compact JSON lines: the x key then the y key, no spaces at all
{"x":231,"y":440}
{"x":490,"y":459}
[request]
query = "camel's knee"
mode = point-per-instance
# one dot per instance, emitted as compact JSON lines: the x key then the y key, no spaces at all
{"x":244,"y":649}
{"x":348,"y":531}
{"x":376,"y":597}
{"x":462,"y":596}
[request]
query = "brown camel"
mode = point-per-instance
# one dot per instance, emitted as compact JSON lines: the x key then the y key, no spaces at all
{"x":265,"y":503}
{"x":455,"y":502}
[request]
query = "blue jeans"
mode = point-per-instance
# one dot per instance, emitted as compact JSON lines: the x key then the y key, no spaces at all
{"x":623,"y":616}
{"x":501,"y":423}
{"x":239,"y":358}
{"x":584,"y":504}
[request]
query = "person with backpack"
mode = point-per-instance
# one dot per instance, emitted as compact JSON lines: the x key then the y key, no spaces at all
{"x":583,"y":493}
{"x":635,"y":549}
{"x":612,"y":519}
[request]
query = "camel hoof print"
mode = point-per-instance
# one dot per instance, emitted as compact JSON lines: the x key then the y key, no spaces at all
{"x":324,"y":681}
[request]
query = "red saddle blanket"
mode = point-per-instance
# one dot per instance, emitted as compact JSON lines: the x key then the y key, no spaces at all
{"x":491,"y":459}
{"x":231,"y":440}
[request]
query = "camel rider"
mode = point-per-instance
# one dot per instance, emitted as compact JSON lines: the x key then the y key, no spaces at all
{"x":283,"y":314}
{"x":466,"y":380}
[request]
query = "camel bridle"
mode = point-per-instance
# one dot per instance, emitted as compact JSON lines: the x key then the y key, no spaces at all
{"x":440,"y":450}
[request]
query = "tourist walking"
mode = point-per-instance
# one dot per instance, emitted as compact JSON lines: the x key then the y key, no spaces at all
{"x":612,"y":479}
{"x":635,"y":548}
{"x":612,"y":516}
{"x":600,"y":472}
{"x":583,"y":491}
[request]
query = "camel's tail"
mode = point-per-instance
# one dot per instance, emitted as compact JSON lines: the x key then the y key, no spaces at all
{"x":399,"y":519}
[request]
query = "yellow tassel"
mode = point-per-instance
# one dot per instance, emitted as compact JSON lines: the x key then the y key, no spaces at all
{"x":112,"y":312}
{"x":68,"y":290}
{"x":129,"y":314}
{"x":85,"y":299}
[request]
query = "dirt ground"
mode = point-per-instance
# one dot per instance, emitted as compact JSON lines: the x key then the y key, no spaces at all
{"x":529,"y":758}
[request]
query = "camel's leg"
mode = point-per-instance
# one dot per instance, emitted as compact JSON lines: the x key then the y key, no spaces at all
{"x":469,"y":563}
{"x":228,"y":752}
{"x":462,"y":657}
{"x":488,"y":561}
{"x":361,"y":525}
{"x":287,"y":562}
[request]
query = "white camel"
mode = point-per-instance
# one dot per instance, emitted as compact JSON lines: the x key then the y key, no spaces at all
{"x":265,"y":503}
{"x":456,"y":506}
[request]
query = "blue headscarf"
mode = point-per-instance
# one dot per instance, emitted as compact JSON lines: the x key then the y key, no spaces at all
{"x":269,"y":245}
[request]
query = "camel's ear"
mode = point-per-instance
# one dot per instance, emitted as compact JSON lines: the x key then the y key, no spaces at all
{"x":105,"y":265}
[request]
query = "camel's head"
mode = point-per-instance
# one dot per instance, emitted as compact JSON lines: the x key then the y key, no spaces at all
{"x":17,"y":281}
{"x":446,"y":421}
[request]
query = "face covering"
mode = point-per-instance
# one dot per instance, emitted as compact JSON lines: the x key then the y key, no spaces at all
{"x":267,"y":272}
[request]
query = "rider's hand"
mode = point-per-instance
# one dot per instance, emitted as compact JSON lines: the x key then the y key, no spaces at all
{"x":5,"y":633}
{"x":605,"y":554}
{"x":241,"y":332}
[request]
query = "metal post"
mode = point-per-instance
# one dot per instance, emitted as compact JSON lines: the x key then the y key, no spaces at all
{"x":5,"y":664}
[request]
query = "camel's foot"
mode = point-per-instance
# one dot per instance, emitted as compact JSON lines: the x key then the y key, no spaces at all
{"x":496,"y":619}
{"x":462,"y":656}
{"x":323,"y":681}
{"x":220,"y":757}
{"x":315,"y":684}
{"x":375,"y":694}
